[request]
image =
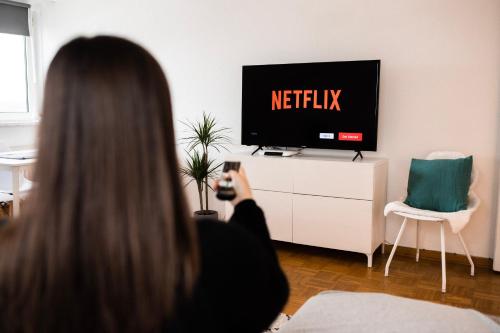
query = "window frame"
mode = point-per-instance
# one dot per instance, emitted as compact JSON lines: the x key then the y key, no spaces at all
{"x":32,"y":114}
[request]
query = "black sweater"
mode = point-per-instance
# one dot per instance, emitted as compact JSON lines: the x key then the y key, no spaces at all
{"x":241,"y":287}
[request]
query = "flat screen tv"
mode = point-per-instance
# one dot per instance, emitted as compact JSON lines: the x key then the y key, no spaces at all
{"x":330,"y":105}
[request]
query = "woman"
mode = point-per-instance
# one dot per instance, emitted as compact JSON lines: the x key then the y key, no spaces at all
{"x":105,"y":242}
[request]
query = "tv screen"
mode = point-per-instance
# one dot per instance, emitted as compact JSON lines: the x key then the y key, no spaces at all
{"x":331,"y":105}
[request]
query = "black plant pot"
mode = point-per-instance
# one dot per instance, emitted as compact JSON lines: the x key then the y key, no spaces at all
{"x":206,"y":214}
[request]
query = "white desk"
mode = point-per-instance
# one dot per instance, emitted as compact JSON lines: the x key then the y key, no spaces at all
{"x":15,"y":166}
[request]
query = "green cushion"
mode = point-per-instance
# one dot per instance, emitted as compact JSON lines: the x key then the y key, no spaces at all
{"x":439,"y":185}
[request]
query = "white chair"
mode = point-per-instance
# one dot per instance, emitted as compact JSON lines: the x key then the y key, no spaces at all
{"x":457,"y":220}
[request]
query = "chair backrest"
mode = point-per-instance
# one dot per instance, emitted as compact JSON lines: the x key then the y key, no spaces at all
{"x":441,"y":155}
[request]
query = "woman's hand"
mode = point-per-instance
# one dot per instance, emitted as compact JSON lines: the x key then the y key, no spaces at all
{"x":240,"y":185}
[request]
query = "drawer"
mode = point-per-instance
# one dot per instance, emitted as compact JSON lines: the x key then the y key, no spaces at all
{"x":333,"y":179}
{"x":336,"y":223}
{"x":266,"y":172}
{"x":277,"y":208}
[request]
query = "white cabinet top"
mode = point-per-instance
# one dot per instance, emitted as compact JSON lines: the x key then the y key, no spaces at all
{"x":306,"y":157}
{"x":313,"y":175}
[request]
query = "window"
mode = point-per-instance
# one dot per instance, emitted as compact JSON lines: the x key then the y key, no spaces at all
{"x":13,"y":74}
{"x":15,"y":62}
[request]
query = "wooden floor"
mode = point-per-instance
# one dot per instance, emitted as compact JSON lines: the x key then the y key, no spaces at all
{"x":311,"y":270}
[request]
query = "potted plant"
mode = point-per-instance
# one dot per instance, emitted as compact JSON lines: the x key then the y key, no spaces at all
{"x":203,"y":136}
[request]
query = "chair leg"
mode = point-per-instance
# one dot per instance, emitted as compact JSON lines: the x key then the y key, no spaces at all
{"x":443,"y":259}
{"x":418,"y":246}
{"x":398,"y":238}
{"x":467,"y":254}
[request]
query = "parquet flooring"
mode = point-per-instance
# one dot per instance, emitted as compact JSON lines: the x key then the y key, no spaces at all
{"x":311,"y":270}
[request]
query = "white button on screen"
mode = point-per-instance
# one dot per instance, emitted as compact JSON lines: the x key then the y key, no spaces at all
{"x":328,"y":136}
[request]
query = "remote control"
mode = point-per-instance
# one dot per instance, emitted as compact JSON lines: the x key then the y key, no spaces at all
{"x":226,"y":189}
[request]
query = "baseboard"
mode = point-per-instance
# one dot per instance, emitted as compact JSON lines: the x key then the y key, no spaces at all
{"x":436,"y":256}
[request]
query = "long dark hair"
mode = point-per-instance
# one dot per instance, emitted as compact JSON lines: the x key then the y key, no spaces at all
{"x":105,"y":243}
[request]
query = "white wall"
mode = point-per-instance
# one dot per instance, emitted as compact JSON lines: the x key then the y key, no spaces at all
{"x":439,"y":76}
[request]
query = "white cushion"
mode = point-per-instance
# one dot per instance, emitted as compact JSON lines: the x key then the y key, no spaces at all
{"x":343,"y":312}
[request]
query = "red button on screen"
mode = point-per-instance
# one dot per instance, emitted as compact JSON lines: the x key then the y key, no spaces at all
{"x":350,"y":136}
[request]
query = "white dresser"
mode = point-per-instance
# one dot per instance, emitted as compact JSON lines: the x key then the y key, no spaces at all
{"x":320,"y":201}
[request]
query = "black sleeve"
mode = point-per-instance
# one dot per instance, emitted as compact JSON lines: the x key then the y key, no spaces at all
{"x":274,"y":293}
{"x":242,"y":287}
{"x":249,"y":216}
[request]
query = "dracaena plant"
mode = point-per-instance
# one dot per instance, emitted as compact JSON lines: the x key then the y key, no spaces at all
{"x":202,"y":137}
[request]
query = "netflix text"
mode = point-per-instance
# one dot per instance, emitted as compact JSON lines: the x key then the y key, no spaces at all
{"x":327,"y":99}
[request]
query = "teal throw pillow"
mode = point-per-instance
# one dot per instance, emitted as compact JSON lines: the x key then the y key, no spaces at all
{"x":439,"y":185}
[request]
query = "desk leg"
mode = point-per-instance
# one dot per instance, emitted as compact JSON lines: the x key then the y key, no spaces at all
{"x":15,"y":191}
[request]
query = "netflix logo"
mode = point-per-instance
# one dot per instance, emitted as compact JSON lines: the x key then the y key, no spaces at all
{"x":327,"y":99}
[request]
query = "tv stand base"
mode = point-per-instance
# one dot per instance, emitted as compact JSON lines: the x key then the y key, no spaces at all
{"x":275,"y":152}
{"x":256,"y":150}
{"x":358,"y":153}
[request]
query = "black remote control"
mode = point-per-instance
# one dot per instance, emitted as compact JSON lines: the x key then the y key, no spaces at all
{"x":226,"y":190}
